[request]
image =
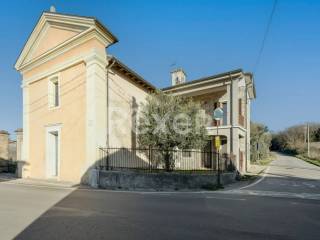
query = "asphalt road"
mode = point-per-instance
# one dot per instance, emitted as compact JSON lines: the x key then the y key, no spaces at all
{"x":285,"y":204}
{"x":20,"y":205}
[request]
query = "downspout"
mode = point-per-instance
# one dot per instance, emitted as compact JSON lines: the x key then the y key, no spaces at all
{"x":246,"y":127}
{"x":231,"y":114}
{"x":107,"y":86}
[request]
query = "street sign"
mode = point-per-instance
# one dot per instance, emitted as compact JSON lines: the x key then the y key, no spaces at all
{"x":218,"y":114}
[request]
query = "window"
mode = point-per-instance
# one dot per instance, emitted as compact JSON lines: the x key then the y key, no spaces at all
{"x":54,"y":92}
{"x":225,"y":113}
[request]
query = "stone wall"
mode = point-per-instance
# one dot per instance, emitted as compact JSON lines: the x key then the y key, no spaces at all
{"x":160,"y":181}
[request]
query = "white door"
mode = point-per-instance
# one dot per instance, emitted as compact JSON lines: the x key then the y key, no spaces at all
{"x":53,"y":144}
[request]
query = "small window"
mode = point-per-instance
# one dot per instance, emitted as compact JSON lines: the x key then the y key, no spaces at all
{"x":54,"y":92}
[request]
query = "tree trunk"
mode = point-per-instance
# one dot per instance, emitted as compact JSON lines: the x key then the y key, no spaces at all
{"x":167,"y":161}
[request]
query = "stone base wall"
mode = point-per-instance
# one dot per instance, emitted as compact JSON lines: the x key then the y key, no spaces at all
{"x":160,"y":181}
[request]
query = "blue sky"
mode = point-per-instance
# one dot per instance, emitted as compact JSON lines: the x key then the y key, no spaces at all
{"x":203,"y":37}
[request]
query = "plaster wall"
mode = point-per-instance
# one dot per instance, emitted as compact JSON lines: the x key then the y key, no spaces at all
{"x":125,"y":102}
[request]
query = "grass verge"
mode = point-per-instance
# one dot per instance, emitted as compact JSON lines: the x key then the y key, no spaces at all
{"x":313,"y":161}
{"x":265,"y":161}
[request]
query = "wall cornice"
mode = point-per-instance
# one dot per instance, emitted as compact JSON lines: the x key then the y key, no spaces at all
{"x":66,"y":64}
{"x":62,"y":48}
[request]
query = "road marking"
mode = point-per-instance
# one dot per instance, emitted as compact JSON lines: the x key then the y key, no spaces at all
{"x":259,"y":180}
{"x":311,"y":196}
{"x":234,"y":199}
{"x":38,"y":185}
{"x":309,"y":185}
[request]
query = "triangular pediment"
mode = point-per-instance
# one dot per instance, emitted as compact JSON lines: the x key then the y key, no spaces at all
{"x":54,"y":30}
{"x":51,"y":36}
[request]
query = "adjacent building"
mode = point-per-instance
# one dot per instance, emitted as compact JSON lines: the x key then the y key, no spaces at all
{"x":75,"y":95}
{"x":232,"y":91}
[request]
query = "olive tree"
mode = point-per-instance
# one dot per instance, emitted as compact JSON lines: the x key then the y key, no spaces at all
{"x":260,"y":141}
{"x":169,"y":122}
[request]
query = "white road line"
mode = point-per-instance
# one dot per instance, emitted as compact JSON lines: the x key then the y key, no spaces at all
{"x":38,"y":185}
{"x":311,"y":196}
{"x":258,"y":181}
{"x":234,"y":199}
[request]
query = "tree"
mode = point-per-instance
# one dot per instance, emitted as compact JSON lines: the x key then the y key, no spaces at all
{"x":316,"y":135}
{"x":260,"y":141}
{"x":169,"y":122}
{"x":293,"y":139}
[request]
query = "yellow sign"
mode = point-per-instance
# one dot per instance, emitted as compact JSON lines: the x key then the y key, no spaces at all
{"x":217,"y":142}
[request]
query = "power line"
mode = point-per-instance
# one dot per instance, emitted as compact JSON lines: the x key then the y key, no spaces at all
{"x":265,"y":35}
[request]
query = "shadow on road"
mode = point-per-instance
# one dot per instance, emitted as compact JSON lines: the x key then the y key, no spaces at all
{"x":95,"y":214}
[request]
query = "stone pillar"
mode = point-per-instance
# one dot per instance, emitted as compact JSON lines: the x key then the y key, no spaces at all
{"x":235,"y":102}
{"x":234,"y":120}
{"x":25,"y":171}
{"x":96,"y":115}
{"x":229,"y":104}
{"x":4,"y":145}
{"x":248,"y":133}
{"x":19,"y":138}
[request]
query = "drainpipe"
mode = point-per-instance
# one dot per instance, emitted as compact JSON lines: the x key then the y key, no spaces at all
{"x":246,"y":123}
{"x":231,"y":114}
{"x":107,"y":86}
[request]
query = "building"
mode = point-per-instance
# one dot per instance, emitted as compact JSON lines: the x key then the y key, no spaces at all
{"x":75,"y":95}
{"x":10,"y":149}
{"x":232,"y":91}
{"x":4,"y":145}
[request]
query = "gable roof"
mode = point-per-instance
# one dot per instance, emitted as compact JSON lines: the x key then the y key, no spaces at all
{"x":116,"y":64}
{"x":230,"y":75}
{"x":96,"y":21}
{"x":211,"y":78}
{"x":78,"y":24}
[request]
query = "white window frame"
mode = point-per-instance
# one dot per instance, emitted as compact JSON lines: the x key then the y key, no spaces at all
{"x":49,"y":130}
{"x":51,"y":91}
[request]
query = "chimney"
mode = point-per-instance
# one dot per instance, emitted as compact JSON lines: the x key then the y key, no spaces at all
{"x":178,"y":76}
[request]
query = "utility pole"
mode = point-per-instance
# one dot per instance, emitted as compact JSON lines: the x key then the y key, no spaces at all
{"x":308,"y":139}
{"x":218,"y":115}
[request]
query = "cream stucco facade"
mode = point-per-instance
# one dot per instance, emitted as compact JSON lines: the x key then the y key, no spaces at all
{"x":75,"y":97}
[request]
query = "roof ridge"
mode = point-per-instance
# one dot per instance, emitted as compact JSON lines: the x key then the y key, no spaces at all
{"x":203,"y":79}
